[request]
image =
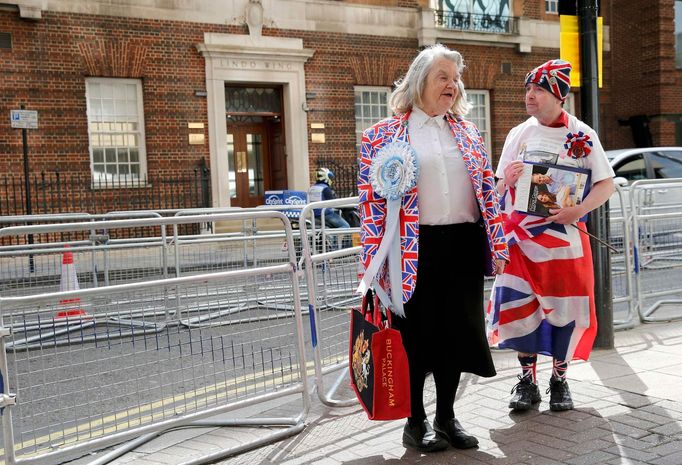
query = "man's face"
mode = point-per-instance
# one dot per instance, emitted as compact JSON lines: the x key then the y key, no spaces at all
{"x":540,"y":101}
{"x":440,"y":91}
{"x":539,"y":178}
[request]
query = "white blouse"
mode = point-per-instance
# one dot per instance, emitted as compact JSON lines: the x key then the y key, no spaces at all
{"x":446,"y":194}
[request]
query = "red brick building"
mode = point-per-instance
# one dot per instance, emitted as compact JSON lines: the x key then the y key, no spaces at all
{"x":261,"y":92}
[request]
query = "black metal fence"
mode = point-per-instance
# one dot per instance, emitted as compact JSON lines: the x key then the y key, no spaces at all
{"x":74,"y":192}
{"x":495,"y":24}
{"x":345,"y":176}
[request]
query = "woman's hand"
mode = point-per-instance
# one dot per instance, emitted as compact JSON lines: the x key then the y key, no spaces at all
{"x":499,"y":266}
{"x":512,"y":172}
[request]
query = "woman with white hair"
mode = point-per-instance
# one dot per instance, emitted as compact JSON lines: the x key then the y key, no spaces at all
{"x":425,"y":180}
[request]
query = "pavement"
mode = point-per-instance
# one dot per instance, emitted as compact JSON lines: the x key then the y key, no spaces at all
{"x":628,"y":411}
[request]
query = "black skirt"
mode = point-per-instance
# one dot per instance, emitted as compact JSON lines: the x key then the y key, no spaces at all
{"x":444,"y":323}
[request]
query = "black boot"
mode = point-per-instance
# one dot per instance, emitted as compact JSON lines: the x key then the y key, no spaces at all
{"x":453,"y":432}
{"x":559,"y":395}
{"x":526,"y":393}
{"x":422,"y":438}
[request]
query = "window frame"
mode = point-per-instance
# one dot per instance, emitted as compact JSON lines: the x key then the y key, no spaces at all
{"x":99,"y":181}
{"x":358,"y":90}
{"x":486,"y":104}
{"x":548,"y":10}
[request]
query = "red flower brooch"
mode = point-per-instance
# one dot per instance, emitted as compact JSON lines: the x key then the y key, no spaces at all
{"x":578,"y":145}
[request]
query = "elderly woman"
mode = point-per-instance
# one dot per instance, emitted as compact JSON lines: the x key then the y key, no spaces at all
{"x":448,"y":233}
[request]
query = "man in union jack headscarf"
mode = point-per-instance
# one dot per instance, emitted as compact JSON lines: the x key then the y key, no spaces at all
{"x":543,"y":303}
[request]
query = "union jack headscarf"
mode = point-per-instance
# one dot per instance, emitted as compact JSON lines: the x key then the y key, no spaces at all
{"x":554,"y":76}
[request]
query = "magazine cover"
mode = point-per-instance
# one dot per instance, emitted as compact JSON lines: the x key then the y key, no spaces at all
{"x":544,"y":186}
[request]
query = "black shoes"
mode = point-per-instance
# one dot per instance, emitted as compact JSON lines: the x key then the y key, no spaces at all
{"x":559,"y":395}
{"x":453,"y":432}
{"x":526,"y":393}
{"x":422,"y":438}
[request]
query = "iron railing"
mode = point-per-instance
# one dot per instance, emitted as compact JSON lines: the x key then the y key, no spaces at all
{"x":477,"y":22}
{"x":55,"y":192}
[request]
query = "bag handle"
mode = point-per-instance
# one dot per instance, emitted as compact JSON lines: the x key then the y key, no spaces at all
{"x":372,"y":311}
{"x":368,"y":305}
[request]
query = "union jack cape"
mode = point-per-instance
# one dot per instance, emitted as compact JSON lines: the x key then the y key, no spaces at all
{"x":373,"y":207}
{"x":544,"y":301}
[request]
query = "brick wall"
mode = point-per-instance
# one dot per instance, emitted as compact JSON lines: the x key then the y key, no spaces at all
{"x":645,"y":80}
{"x":51,"y":58}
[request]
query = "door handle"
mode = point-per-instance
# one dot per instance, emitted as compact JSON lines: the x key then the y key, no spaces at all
{"x":241,"y":162}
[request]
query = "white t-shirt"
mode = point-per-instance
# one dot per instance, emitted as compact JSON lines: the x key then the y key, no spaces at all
{"x":446,"y":194}
{"x":531,"y":141}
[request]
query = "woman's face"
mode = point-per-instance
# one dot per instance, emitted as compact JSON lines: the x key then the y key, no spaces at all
{"x":544,"y":198}
{"x":440,"y":91}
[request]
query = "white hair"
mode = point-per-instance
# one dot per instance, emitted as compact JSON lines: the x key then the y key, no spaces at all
{"x":409,"y":89}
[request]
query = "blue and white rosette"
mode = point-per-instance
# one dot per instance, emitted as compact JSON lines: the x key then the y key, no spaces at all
{"x":393,"y":174}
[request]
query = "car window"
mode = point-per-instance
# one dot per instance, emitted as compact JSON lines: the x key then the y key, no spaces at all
{"x":666,"y":164}
{"x":632,"y":168}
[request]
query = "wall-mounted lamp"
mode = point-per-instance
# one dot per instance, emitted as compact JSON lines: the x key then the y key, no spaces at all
{"x":308,"y":96}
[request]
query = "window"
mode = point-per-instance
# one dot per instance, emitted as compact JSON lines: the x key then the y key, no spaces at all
{"x":678,"y":33}
{"x":491,"y":16}
{"x":552,"y":6}
{"x":116,"y":131}
{"x":666,"y":164}
{"x":371,"y":105}
{"x":632,"y":168}
{"x":480,"y":113}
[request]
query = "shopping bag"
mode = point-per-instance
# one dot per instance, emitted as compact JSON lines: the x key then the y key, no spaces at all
{"x":378,"y":363}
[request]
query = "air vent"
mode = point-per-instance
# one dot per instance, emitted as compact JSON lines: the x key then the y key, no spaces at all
{"x":506,"y":68}
{"x":5,"y":40}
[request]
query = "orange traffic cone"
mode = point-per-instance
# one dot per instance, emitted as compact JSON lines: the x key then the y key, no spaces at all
{"x":69,"y":282}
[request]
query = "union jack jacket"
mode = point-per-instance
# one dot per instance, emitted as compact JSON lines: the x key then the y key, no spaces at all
{"x":373,"y":207}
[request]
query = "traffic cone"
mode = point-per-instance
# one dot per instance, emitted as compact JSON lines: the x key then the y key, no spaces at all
{"x":69,"y":282}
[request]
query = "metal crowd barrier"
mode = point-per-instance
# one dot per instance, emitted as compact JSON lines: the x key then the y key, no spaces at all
{"x":148,"y":356}
{"x":656,"y":209}
{"x":622,"y":262}
{"x":331,"y":279}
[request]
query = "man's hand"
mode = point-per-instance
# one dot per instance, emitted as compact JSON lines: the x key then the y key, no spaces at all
{"x":499,"y":266}
{"x":566,"y":215}
{"x":512,"y":172}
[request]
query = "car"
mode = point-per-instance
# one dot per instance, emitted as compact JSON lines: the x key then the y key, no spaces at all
{"x":646,"y":163}
{"x":635,"y":164}
{"x":658,"y":163}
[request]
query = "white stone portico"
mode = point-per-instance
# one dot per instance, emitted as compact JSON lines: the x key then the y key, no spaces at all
{"x":252,"y":58}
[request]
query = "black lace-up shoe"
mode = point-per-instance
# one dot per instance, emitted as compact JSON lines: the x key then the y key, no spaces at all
{"x":453,"y":432}
{"x":526,"y":393}
{"x":559,"y":395}
{"x":422,"y":438}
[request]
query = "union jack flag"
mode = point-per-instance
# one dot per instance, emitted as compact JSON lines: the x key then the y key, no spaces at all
{"x":544,"y":301}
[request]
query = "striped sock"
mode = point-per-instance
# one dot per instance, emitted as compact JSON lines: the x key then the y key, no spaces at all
{"x":528,"y":367}
{"x":559,"y":368}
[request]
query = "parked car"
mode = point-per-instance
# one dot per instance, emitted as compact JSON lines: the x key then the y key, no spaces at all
{"x":631,"y":165}
{"x":646,"y":163}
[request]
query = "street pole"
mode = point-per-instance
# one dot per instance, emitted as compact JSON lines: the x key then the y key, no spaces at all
{"x":598,"y":223}
{"x":27,"y":188}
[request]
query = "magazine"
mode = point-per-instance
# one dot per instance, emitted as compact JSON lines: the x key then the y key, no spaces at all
{"x":545,"y":186}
